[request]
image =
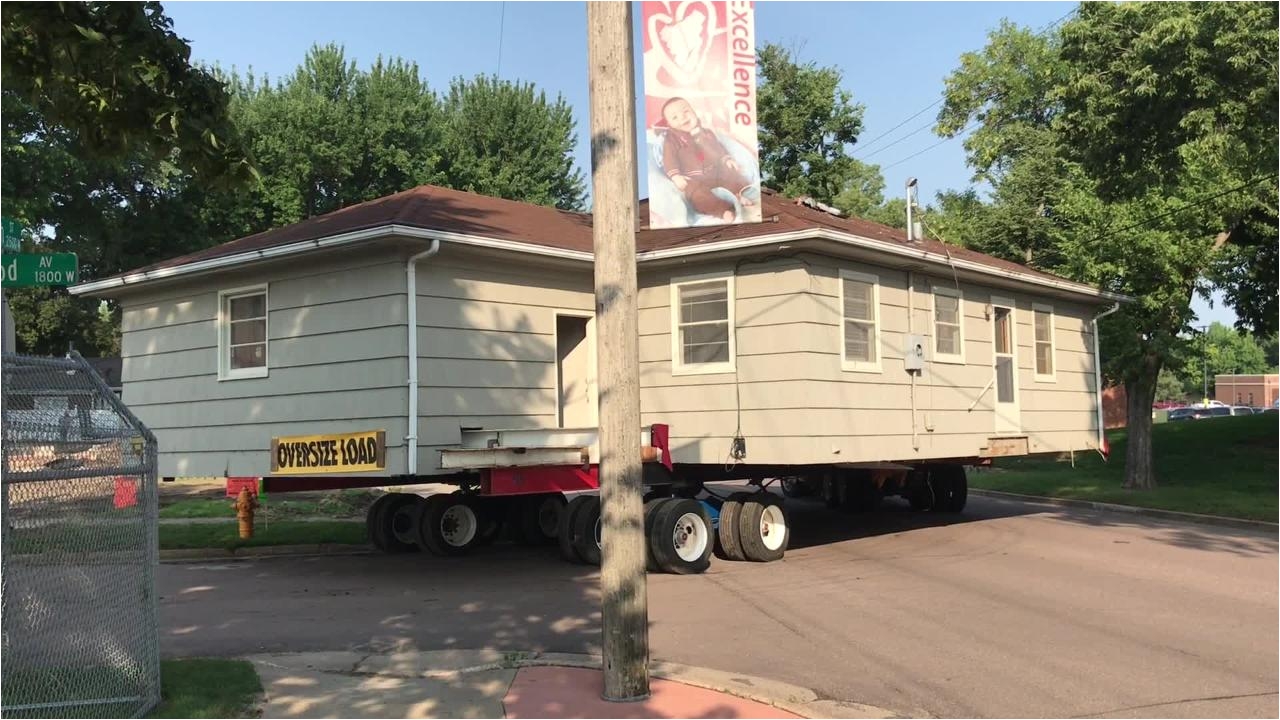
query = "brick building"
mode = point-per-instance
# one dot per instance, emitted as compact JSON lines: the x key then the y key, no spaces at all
{"x":1250,"y":390}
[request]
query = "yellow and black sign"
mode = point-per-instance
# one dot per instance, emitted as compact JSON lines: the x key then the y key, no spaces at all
{"x":347,"y":452}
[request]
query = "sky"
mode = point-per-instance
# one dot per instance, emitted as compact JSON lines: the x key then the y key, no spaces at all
{"x":894,"y":57}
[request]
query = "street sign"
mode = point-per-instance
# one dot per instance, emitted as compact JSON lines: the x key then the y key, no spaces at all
{"x":12,"y":235}
{"x":39,"y":269}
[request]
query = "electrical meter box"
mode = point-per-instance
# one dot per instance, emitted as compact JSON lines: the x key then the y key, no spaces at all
{"x":915,"y":353}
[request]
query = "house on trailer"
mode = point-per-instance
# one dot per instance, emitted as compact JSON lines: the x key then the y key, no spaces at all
{"x":805,"y":340}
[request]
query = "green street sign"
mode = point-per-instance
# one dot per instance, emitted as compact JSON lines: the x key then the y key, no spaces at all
{"x":12,"y":235}
{"x":36,"y":269}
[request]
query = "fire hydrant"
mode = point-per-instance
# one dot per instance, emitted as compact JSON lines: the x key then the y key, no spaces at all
{"x":246,"y":503}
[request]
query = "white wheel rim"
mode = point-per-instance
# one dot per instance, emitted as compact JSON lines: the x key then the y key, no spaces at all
{"x":773,"y":527}
{"x":458,"y":525}
{"x":690,"y":537}
{"x":402,"y":524}
{"x":599,"y":531}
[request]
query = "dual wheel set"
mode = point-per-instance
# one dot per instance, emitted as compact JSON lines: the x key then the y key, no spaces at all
{"x":681,"y":533}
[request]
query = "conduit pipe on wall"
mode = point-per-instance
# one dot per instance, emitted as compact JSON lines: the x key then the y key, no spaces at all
{"x":411,"y":324}
{"x":1103,"y":449}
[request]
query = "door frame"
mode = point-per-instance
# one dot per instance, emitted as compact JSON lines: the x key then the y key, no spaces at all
{"x":593,"y":372}
{"x":1016,"y":429}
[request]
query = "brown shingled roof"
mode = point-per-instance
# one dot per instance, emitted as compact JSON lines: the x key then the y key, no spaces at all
{"x":436,"y":208}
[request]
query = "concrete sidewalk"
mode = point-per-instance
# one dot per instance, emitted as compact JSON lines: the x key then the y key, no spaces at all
{"x":493,"y":684}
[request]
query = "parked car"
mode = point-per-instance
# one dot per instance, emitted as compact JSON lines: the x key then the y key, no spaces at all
{"x":1187,"y":413}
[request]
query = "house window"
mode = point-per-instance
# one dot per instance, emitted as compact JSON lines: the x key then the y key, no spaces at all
{"x":242,"y":333}
{"x":860,"y":308}
{"x":948,"y":327}
{"x":1045,"y":365}
{"x":702,"y":322}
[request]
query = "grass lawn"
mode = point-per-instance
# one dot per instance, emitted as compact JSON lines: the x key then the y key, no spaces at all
{"x":1222,"y":466}
{"x":278,"y":532}
{"x":207,"y":688}
{"x":344,"y":504}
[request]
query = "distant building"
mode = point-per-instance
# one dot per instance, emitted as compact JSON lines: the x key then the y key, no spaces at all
{"x":1249,"y":390}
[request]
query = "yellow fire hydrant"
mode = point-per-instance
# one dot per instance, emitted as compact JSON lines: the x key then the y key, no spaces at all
{"x":246,"y":503}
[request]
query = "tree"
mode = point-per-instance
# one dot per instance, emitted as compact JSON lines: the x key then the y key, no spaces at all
{"x":1125,"y":151}
{"x":1220,"y":350}
{"x":808,"y":125}
{"x":508,"y":140}
{"x":103,"y":120}
{"x":117,"y":77}
{"x":1170,"y":387}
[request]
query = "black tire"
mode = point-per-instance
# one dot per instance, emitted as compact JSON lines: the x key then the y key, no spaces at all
{"x":650,"y":507}
{"x":728,"y":542}
{"x":371,"y":522}
{"x":449,"y":525}
{"x":680,"y":537}
{"x":951,"y":487}
{"x":402,"y":523}
{"x":565,"y":532}
{"x":793,"y":487}
{"x":379,"y":519}
{"x":763,"y":528}
{"x":538,"y":518}
{"x":586,"y":531}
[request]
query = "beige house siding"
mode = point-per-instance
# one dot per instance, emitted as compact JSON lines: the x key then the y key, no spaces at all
{"x":487,"y":345}
{"x":336,"y":360}
{"x":796,"y":403}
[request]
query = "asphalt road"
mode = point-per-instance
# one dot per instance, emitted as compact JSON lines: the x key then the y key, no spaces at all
{"x":1013,"y":610}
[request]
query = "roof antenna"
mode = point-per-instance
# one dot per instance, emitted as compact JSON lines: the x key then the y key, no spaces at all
{"x":914,"y":233}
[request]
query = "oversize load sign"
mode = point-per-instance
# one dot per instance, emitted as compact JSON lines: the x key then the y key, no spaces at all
{"x":700,"y":113}
{"x":310,"y":454}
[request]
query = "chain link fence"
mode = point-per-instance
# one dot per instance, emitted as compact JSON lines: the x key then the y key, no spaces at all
{"x":79,"y":546}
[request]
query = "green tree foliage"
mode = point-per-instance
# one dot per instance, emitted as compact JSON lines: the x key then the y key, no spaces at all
{"x":509,"y":140}
{"x":1170,"y":387}
{"x":1220,"y":350}
{"x":808,"y":125}
{"x":1127,"y":150}
{"x":117,"y":77}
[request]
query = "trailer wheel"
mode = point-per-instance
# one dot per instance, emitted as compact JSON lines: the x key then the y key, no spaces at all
{"x":565,"y":530}
{"x":763,"y":528}
{"x":402,"y":522}
{"x":728,"y":541}
{"x":379,"y":521}
{"x":650,"y":507}
{"x":680,"y":537}
{"x":537,"y":518}
{"x":449,"y":525}
{"x":587,"y":526}
{"x":951,"y":487}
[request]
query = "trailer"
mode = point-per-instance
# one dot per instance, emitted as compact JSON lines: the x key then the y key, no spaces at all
{"x":543,"y":484}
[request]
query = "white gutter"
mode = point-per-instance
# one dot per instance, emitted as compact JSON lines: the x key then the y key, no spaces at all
{"x":356,"y":236}
{"x":1103,"y":450}
{"x":888,"y":248}
{"x":411,"y":322}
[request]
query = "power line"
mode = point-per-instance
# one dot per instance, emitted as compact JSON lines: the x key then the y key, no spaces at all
{"x":1175,"y":211}
{"x":1043,"y":29}
{"x":921,"y":152}
{"x":502,"y":24}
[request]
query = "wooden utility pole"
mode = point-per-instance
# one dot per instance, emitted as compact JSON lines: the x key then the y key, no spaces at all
{"x":625,"y":603}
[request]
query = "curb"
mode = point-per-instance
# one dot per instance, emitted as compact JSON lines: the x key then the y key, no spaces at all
{"x":1131,"y":510}
{"x":450,"y":664}
{"x":263,"y":551}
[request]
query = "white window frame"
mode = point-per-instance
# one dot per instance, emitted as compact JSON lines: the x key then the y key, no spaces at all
{"x":678,"y":366}
{"x":1052,"y":375}
{"x":225,"y":371}
{"x":938,"y":356}
{"x":861,"y":365}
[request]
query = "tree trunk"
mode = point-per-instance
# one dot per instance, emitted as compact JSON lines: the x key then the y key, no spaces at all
{"x":1139,"y":470}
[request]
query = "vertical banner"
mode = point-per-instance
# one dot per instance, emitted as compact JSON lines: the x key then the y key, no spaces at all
{"x":700,"y":113}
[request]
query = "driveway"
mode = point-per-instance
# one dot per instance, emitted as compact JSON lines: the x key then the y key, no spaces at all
{"x":1010,"y":610}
